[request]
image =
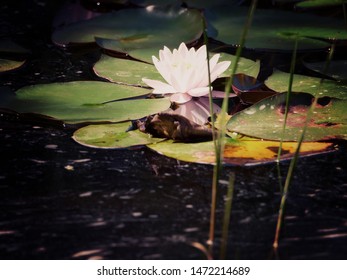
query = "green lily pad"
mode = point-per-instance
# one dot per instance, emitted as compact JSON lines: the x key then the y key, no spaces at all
{"x":131,"y":72}
{"x":9,"y":48}
{"x":8,"y":65}
{"x":244,"y":65}
{"x":275,"y":30}
{"x":278,"y":81}
{"x":265,"y":119}
{"x":337,"y":68}
{"x":237,"y":152}
{"x":125,"y":71}
{"x":78,"y":102}
{"x":112,"y":136}
{"x":162,"y":26}
{"x":319,"y":3}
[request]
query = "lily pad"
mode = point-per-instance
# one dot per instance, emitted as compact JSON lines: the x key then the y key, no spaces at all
{"x":112,"y":136}
{"x":125,"y":71}
{"x":337,"y":68}
{"x":320,"y":3}
{"x":278,"y":81}
{"x":8,"y":65}
{"x":265,"y":119}
{"x":244,"y":65}
{"x":163,"y":26}
{"x":131,"y":72}
{"x":237,"y":152}
{"x":78,"y":102}
{"x":275,"y":30}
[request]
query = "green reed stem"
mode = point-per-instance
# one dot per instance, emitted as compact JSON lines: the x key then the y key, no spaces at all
{"x":220,"y":140}
{"x":289,"y":91}
{"x":204,"y":25}
{"x":293,"y":162}
{"x":227,"y":214}
{"x":216,"y":168}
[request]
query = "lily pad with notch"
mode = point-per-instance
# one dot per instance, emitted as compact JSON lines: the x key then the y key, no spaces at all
{"x":84,"y":101}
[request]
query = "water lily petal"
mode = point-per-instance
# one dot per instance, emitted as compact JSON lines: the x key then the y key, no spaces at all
{"x":162,"y":69}
{"x":213,"y":61}
{"x":175,"y":82}
{"x":165,"y":55}
{"x":219,"y":69}
{"x":183,"y":50}
{"x":180,"y":98}
{"x":197,"y":111}
{"x":200,"y":91}
{"x":201,"y":53}
{"x":158,"y":86}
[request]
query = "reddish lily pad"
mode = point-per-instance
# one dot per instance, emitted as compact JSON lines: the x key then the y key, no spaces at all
{"x":265,"y":119}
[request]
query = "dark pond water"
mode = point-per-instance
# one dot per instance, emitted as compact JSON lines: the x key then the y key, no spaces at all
{"x":60,"y":200}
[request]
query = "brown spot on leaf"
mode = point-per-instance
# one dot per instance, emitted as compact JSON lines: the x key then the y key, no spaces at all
{"x":275,"y":150}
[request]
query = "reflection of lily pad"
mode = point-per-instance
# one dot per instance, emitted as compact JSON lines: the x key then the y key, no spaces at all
{"x":112,"y":136}
{"x":337,"y":68}
{"x":237,"y":152}
{"x":265,"y":119}
{"x":76,"y":102}
{"x":278,"y":81}
{"x":275,"y":30}
{"x":162,"y":26}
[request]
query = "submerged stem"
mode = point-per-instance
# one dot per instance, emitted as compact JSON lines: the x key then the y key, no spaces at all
{"x":227,"y":214}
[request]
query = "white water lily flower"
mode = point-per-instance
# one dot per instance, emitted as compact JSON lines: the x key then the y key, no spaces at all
{"x":185,"y":72}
